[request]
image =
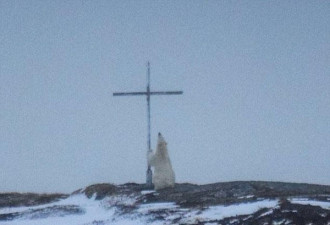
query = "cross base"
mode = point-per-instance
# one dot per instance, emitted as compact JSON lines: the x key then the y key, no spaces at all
{"x":149,"y":178}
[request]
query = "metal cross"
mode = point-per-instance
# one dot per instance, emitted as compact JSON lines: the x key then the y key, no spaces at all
{"x":148,"y":93}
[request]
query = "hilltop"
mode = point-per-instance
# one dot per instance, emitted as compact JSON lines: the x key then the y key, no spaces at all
{"x":239,"y":202}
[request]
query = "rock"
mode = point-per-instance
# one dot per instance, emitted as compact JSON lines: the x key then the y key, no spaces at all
{"x":28,"y":199}
{"x":281,"y":203}
{"x":100,"y":190}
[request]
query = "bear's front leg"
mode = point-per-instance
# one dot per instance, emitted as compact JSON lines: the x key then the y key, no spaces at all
{"x":151,"y":158}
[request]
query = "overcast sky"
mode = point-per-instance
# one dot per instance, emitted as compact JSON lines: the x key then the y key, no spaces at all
{"x":255,"y":76}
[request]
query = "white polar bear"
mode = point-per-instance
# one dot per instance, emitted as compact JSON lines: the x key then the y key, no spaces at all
{"x":163,"y":176}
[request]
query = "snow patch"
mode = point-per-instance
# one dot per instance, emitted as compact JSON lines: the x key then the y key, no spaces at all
{"x":146,"y":208}
{"x":305,"y":201}
{"x":266,"y":213}
{"x":221,"y":212}
{"x":93,"y":211}
{"x":147,"y":192}
{"x":124,"y":210}
{"x":279,"y":222}
{"x":120,"y":200}
{"x":245,"y":197}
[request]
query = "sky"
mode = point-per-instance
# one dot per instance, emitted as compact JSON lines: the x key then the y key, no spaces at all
{"x":255,"y":77}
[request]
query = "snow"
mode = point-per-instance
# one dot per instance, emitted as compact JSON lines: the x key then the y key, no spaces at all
{"x":93,"y":212}
{"x":147,"y":192}
{"x":108,"y":211}
{"x":233,"y":221}
{"x":221,"y":212}
{"x":305,"y":201}
{"x":266,"y":213}
{"x":146,"y":208}
{"x":279,"y":222}
{"x":247,"y":196}
{"x":72,"y":200}
{"x":122,"y":200}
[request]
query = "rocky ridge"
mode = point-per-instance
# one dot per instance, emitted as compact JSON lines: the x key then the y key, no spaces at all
{"x":278,"y":203}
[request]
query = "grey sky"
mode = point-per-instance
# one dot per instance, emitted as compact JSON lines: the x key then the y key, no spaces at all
{"x":255,"y":76}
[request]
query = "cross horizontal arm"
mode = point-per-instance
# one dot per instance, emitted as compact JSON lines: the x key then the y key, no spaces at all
{"x":146,"y":93}
{"x":166,"y":92}
{"x":129,"y":93}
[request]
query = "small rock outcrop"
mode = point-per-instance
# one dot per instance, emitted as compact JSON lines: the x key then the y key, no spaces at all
{"x":100,"y":190}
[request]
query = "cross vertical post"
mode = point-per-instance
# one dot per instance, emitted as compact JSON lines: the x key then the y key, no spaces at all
{"x":148,"y":94}
{"x":149,"y":171}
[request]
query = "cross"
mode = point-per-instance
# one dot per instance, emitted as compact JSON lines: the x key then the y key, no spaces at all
{"x":148,"y":93}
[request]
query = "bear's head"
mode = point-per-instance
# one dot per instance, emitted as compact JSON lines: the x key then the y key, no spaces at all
{"x":161,"y":145}
{"x":161,"y":140}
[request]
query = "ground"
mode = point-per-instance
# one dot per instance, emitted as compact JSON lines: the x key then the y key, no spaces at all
{"x":235,"y":203}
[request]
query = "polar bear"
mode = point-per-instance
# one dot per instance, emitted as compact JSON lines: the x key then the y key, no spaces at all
{"x":163,"y":176}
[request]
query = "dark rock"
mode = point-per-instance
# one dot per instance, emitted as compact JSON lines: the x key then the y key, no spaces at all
{"x":192,"y":195}
{"x":52,"y":211}
{"x":101,"y":190}
{"x":28,"y":199}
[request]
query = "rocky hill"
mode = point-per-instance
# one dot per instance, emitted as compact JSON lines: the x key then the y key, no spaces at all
{"x":234,"y":203}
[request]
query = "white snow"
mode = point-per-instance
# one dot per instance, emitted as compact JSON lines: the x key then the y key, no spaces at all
{"x":305,"y":201}
{"x":122,"y":200}
{"x":107,"y":211}
{"x":93,"y":212}
{"x":221,"y":212}
{"x":147,"y":192}
{"x":266,"y":213}
{"x":247,"y":196}
{"x":72,"y":200}
{"x":145,"y":208}
{"x":279,"y":222}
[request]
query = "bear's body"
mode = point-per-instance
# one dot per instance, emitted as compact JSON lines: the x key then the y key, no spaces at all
{"x":163,"y":176}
